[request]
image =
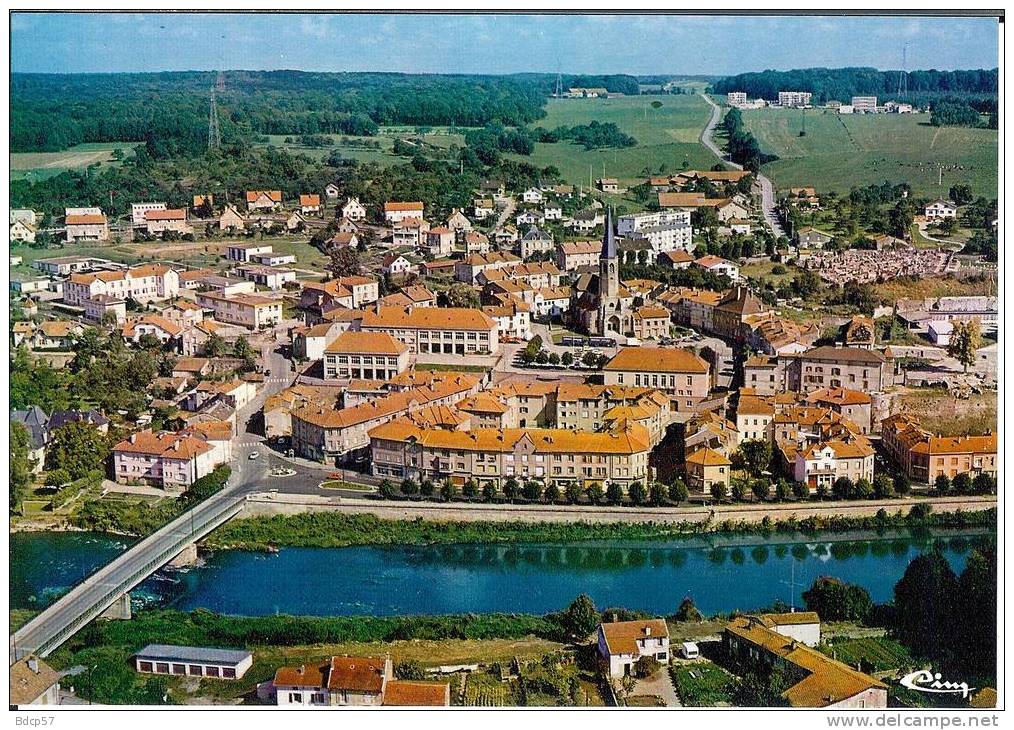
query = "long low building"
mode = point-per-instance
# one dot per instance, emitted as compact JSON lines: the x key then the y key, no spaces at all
{"x":447,"y":330}
{"x":402,"y":449}
{"x":193,"y":661}
{"x":247,"y":310}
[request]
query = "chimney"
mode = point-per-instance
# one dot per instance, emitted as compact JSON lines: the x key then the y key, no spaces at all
{"x":615,"y":618}
{"x":33,"y":664}
{"x":647,"y":631}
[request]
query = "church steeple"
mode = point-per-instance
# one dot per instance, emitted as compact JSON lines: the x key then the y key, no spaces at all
{"x":609,"y":239}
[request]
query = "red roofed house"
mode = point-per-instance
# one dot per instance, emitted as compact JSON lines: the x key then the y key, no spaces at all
{"x":171,"y":220}
{"x":166,"y":460}
{"x":86,"y":227}
{"x":622,"y":643}
{"x":395,"y":211}
{"x":309,"y":204}
{"x":263,"y":199}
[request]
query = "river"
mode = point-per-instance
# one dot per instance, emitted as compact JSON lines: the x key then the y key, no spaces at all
{"x":720,"y":572}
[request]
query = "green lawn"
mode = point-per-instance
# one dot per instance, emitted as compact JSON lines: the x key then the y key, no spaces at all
{"x":841,"y":151}
{"x":702,"y":684}
{"x":35,"y":166}
{"x":877,"y":653}
{"x":667,"y":137}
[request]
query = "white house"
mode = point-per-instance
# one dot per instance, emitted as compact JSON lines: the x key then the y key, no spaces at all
{"x":552,"y":212}
{"x":332,"y":191}
{"x":138,"y":211}
{"x":622,"y":643}
{"x":395,"y":264}
{"x":532,"y":195}
{"x":354,"y":210}
{"x":941,"y":209}
{"x":21,"y":231}
{"x":717,"y":265}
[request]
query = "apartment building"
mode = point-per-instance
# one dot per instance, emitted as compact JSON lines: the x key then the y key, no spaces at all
{"x":794,"y":98}
{"x":836,"y":367}
{"x":143,"y":284}
{"x":574,"y":255}
{"x":396,"y":211}
{"x":365,"y":356}
{"x":680,"y":373}
{"x":139,"y":211}
{"x":244,"y":252}
{"x":449,"y":330}
{"x":247,"y":310}
{"x":168,"y":460}
{"x":401,"y":449}
{"x":864,"y":104}
{"x":86,"y":227}
{"x":924,"y":456}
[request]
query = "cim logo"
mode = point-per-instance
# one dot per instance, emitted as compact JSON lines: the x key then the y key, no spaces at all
{"x":925,"y":680}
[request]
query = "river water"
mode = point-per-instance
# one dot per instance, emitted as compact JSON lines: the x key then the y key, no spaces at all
{"x":720,"y":572}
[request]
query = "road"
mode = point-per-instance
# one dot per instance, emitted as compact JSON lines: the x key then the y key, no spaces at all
{"x":505,"y":214}
{"x":766,"y":186}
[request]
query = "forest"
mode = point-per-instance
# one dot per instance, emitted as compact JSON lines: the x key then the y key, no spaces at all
{"x":826,"y":84}
{"x":169,"y":111}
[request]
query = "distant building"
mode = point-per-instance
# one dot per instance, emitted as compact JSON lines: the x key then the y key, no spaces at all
{"x":354,"y":210}
{"x":396,"y":211}
{"x":161,"y":221}
{"x":940,"y":209}
{"x":263,"y":199}
{"x":608,"y":185}
{"x":86,"y":227}
{"x":794,"y":98}
{"x":736,"y":98}
{"x":864,"y":104}
{"x":309,"y":204}
{"x":193,"y":661}
{"x":139,"y":211}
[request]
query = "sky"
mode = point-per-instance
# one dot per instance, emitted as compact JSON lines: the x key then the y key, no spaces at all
{"x":636,"y":44}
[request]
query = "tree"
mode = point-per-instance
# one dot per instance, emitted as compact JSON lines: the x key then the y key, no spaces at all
{"x":20,"y":465}
{"x":614,"y":493}
{"x":573,"y":492}
{"x":942,"y":484}
{"x":488,"y":491}
{"x":842,"y":488}
{"x":552,"y":493}
{"x":902,"y":485}
{"x":595,"y":492}
{"x":984,"y":483}
{"x":447,"y":491}
{"x":834,"y":600}
{"x":687,"y":612}
{"x":471,"y":489}
{"x":462,"y":295}
{"x":862,"y":489}
{"x":976,"y":596}
{"x":78,"y":448}
{"x":409,"y":487}
{"x":800,"y":490}
{"x":646,"y":666}
{"x":580,"y":618}
{"x":657,"y":494}
{"x":719,"y":491}
{"x":637,"y":493}
{"x":883,"y":486}
{"x":427,"y":488}
{"x":924,"y":603}
{"x":757,"y":689}
{"x":554,"y":359}
{"x":532,"y":490}
{"x":344,"y":261}
{"x":511,"y":488}
{"x":761,"y":488}
{"x":782,"y":490}
{"x":245,"y":352}
{"x":756,"y":454}
{"x":966,"y":339}
{"x":962,"y":483}
{"x":738,"y":489}
{"x":387,"y":489}
{"x":567,"y":358}
{"x":678,"y":491}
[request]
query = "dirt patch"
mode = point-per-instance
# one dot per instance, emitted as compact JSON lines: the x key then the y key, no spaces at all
{"x":940,"y":412}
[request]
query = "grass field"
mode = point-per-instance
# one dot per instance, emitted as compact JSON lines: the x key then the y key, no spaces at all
{"x":702,"y":684}
{"x":841,"y":151}
{"x":35,"y":166}
{"x":877,"y":653}
{"x":667,"y":137}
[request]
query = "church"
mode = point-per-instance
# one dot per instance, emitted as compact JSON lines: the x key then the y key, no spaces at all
{"x":600,"y":304}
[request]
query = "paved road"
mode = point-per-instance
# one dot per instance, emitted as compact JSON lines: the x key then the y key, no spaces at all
{"x":767,"y":188}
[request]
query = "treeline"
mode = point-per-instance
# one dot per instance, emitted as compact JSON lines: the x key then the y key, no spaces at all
{"x":594,"y":135}
{"x":54,"y":111}
{"x":842,"y":84}
{"x":951,"y":112}
{"x":741,"y":145}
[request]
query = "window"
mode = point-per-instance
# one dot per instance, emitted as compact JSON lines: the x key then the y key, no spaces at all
{"x":145,"y":666}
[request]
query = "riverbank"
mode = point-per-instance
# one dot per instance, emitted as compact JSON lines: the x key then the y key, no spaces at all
{"x":282,"y":520}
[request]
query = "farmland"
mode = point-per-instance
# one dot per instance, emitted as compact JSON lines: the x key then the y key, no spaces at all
{"x":842,"y":151}
{"x":873,"y":653}
{"x":667,"y":137}
{"x":34,"y":166}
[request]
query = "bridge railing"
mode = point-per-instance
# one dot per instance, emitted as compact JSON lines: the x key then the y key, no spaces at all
{"x":202,"y":523}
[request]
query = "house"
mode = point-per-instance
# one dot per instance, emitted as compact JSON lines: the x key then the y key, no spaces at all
{"x":651,"y":323}
{"x":528,"y":218}
{"x":193,"y":661}
{"x":476,"y":242}
{"x":409,"y":232}
{"x":586,"y":221}
{"x":353,"y":681}
{"x":332,"y":191}
{"x":608,"y":184}
{"x":365,"y":356}
{"x":622,"y":643}
{"x":808,"y":237}
{"x":353,"y":210}
{"x":343,"y":238}
{"x":717,"y":265}
{"x":25,"y":215}
{"x":416,"y":295}
{"x":86,"y":227}
{"x":535,"y":241}
{"x":36,"y":422}
{"x":552,"y":212}
{"x":263,"y":199}
{"x":532,"y":195}
{"x":191,"y":367}
{"x":56,"y":335}
{"x":249,"y":310}
{"x":468,"y":269}
{"x":457,"y":222}
{"x":231,"y":219}
{"x":822,"y":463}
{"x":22,"y":232}
{"x":139,"y":212}
{"x":143,"y":284}
{"x":33,"y":682}
{"x":678,"y":259}
{"x":781,"y":642}
{"x":730,"y":209}
{"x":493,"y":187}
{"x":706,"y":467}
{"x":827,"y":366}
{"x":159,"y":222}
{"x":939,"y":209}
{"x":268,"y":276}
{"x":450,"y":330}
{"x":168,"y":460}
{"x":202,"y":201}
{"x":513,"y":319}
{"x":440,"y":241}
{"x":574,"y":255}
{"x":151,"y":325}
{"x":396,"y":211}
{"x":66,"y":265}
{"x":396,"y":264}
{"x":924,"y":455}
{"x":295,"y":221}
{"x":242,"y":252}
{"x":309,"y":204}
{"x":271,"y":258}
{"x":680,"y":373}
{"x":855,"y":405}
{"x":482,"y":208}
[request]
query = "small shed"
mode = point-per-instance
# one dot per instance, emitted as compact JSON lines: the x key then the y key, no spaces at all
{"x":689,"y":650}
{"x":194,"y":661}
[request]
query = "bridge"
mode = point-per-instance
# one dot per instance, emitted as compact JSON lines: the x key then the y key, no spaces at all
{"x":111,"y":583}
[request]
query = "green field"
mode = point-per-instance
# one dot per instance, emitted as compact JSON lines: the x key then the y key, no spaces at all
{"x":668,"y":138}
{"x":876,"y":653}
{"x":842,"y":151}
{"x":35,"y":166}
{"x":702,"y":684}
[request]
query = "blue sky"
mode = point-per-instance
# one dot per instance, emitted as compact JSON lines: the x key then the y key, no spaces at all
{"x":106,"y":42}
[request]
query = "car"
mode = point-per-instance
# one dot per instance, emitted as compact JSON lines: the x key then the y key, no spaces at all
{"x":336,"y":475}
{"x":254,"y":455}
